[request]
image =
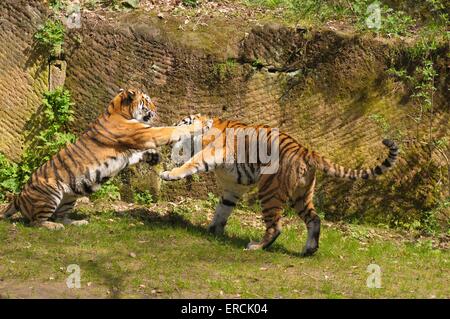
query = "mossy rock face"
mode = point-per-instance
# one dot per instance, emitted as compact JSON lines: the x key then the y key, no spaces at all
{"x":24,"y":72}
{"x":139,"y":178}
{"x":325,"y":88}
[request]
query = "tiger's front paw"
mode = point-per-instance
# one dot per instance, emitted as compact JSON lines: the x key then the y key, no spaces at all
{"x":152,"y":158}
{"x":254,"y":245}
{"x":49,"y":225}
{"x":167,"y":176}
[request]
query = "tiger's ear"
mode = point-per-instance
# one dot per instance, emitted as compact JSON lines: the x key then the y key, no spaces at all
{"x":131,"y":94}
{"x":120,"y":90}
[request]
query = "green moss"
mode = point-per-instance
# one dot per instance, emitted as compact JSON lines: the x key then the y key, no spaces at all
{"x":225,"y":70}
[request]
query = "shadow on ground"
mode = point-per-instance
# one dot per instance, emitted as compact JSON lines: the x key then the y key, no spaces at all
{"x":176,"y":220}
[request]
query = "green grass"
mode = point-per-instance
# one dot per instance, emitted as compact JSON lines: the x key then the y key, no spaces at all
{"x":165,"y":252}
{"x":395,"y":21}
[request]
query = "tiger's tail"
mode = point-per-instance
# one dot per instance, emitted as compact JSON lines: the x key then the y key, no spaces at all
{"x":336,"y":170}
{"x":8,"y":211}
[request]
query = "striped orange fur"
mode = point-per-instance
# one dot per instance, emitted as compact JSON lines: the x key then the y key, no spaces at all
{"x":293,"y":182}
{"x":121,"y":136}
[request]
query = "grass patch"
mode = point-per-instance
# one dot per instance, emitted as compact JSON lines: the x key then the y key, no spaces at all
{"x":165,"y":251}
{"x":362,"y":14}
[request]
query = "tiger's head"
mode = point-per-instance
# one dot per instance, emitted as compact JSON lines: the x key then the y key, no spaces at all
{"x":185,"y":148}
{"x":133,"y":105}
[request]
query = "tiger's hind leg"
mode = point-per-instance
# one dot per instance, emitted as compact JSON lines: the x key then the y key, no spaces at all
{"x":223,"y":210}
{"x":64,"y":209}
{"x":9,"y":211}
{"x":38,"y":202}
{"x":304,"y":207}
{"x":42,"y":214}
{"x":272,"y":212}
{"x":41,"y":217}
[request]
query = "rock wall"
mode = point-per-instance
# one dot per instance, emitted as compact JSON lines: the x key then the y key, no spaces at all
{"x":23,"y":71}
{"x":322,"y":87}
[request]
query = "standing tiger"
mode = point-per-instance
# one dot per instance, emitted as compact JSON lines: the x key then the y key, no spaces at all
{"x":293,"y":181}
{"x":121,"y":136}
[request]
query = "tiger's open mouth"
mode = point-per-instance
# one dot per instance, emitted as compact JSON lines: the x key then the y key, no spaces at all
{"x":149,"y":117}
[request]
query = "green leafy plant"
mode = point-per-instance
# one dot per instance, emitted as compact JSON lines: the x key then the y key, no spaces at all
{"x":143,"y":197}
{"x":439,"y":10}
{"x":225,"y":69}
{"x":421,"y":80}
{"x":108,"y":191}
{"x":9,"y":177}
{"x":51,"y":36}
{"x":54,"y":135}
{"x":424,"y":92}
{"x":257,"y":64}
{"x":392,"y":22}
{"x":213,"y":200}
{"x":401,"y":74}
{"x":396,"y":22}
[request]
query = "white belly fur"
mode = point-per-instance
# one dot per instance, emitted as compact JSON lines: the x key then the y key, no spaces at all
{"x":108,"y":168}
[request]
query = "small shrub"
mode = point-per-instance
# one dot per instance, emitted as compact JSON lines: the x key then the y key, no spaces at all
{"x":57,"y":114}
{"x":401,"y":74}
{"x":213,"y":200}
{"x":392,"y":22}
{"x":9,"y":177}
{"x":108,"y":191}
{"x":395,"y":22}
{"x":257,"y":64}
{"x":225,"y":70}
{"x":425,"y":87}
{"x":143,"y":197}
{"x":51,"y":36}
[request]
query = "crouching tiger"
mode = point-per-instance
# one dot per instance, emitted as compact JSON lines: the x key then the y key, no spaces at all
{"x":292,"y":182}
{"x":121,"y":136}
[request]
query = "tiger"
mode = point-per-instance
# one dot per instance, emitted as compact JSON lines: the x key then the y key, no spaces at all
{"x":121,"y":136}
{"x":292,"y":183}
